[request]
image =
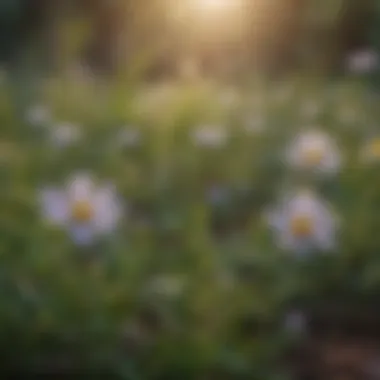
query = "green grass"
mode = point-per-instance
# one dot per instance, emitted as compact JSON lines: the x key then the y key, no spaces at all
{"x":49,"y":290}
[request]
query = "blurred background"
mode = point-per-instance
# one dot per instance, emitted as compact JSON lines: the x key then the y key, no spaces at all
{"x":108,"y":37}
{"x":144,"y":146}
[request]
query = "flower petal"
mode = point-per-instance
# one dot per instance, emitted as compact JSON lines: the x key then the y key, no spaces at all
{"x":108,"y":209}
{"x":55,"y":205}
{"x":81,"y":187}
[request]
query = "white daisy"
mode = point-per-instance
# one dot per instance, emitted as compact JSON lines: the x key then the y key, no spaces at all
{"x":303,"y":222}
{"x":210,"y":136}
{"x":363,"y":61}
{"x":84,"y":209}
{"x":65,"y":134}
{"x":38,"y":115}
{"x":314,"y":150}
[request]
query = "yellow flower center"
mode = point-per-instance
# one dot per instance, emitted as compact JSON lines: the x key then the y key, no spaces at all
{"x":82,"y":211}
{"x":301,"y":226}
{"x":375,"y":148}
{"x":313,"y":156}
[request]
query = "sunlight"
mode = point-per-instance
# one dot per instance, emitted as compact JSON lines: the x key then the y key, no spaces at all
{"x":214,"y":6}
{"x":198,"y":10}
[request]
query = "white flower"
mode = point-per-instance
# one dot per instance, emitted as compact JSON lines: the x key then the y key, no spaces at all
{"x":65,"y":134}
{"x":38,"y":115}
{"x":363,"y":61}
{"x":303,"y":222}
{"x":129,"y":137}
{"x":210,"y":136}
{"x":314,"y":150}
{"x":84,"y":209}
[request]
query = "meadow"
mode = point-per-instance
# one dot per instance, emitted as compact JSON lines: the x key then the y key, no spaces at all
{"x":148,"y":231}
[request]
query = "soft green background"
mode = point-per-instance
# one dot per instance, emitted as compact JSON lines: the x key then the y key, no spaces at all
{"x":61,"y":303}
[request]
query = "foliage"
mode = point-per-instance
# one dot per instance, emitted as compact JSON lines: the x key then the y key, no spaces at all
{"x":87,"y":308}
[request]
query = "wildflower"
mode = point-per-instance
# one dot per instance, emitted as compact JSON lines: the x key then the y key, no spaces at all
{"x":314,"y":150}
{"x":303,"y":222}
{"x":83,"y":209}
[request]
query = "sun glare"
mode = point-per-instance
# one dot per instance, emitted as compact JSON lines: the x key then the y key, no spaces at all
{"x":205,"y":24}
{"x":214,"y":6}
{"x":205,"y":9}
